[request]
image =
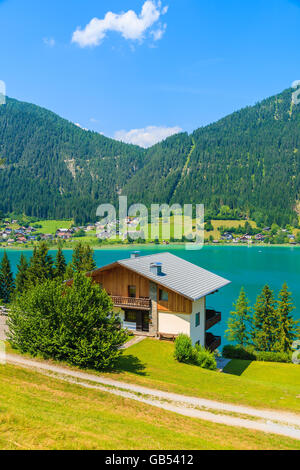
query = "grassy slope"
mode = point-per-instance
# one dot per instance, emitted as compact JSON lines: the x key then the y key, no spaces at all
{"x":51,"y":226}
{"x":38,"y":412}
{"x":263,"y":385}
{"x":227,"y":224}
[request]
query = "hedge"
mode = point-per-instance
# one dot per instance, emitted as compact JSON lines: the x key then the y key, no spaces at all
{"x":249,"y":354}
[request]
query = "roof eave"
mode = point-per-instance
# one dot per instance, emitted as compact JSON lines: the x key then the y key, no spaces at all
{"x":212,"y":291}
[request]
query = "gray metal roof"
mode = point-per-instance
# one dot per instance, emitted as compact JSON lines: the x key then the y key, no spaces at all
{"x":178,"y":275}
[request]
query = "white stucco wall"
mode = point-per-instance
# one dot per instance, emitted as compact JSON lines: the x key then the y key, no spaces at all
{"x":174,"y":323}
{"x":198,"y":333}
{"x":181,"y":323}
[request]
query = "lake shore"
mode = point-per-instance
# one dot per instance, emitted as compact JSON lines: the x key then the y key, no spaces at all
{"x":153,"y":246}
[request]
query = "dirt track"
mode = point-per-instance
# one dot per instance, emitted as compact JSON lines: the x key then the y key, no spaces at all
{"x":275,"y":422}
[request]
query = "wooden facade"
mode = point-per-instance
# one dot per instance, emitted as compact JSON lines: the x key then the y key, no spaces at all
{"x":117,"y":280}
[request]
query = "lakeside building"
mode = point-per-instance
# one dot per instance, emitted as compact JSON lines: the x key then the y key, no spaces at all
{"x":163,"y":296}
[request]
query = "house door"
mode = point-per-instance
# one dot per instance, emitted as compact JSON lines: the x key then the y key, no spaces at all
{"x":142,"y":321}
{"x":139,"y":321}
{"x":146,"y":321}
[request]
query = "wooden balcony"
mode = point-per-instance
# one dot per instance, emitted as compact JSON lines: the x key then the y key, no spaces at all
{"x":212,"y":342}
{"x":131,"y":303}
{"x":212,"y":318}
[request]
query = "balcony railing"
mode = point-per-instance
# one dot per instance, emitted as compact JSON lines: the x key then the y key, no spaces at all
{"x":131,"y":303}
{"x":212,"y":342}
{"x":212,"y":318}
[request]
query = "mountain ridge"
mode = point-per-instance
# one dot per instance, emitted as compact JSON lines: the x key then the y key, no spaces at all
{"x":248,"y":162}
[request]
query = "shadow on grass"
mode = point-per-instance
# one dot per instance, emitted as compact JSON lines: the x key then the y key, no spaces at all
{"x":237,"y":367}
{"x":129,"y":363}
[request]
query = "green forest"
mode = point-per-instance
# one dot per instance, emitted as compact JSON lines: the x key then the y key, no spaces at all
{"x":248,"y":162}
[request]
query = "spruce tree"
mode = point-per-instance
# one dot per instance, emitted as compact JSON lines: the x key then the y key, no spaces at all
{"x":60,"y":264}
{"x":69,"y":274}
{"x":7,"y":280}
{"x":41,"y":265}
{"x":77,"y":258}
{"x":83,"y":258}
{"x":288,"y":327}
{"x":265,"y":322}
{"x":21,"y":277}
{"x":88,"y":261}
{"x":239,"y":321}
{"x":2,"y":288}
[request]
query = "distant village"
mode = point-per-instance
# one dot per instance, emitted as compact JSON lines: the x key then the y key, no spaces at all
{"x":258,"y":238}
{"x":14,"y":233}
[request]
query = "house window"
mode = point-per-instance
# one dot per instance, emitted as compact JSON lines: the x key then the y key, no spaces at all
{"x":130,"y":317}
{"x":163,"y":295}
{"x":132,"y":291}
{"x":197,"y":319}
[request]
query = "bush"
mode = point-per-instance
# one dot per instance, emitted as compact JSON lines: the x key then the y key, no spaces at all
{"x":75,"y":324}
{"x":184,"y":351}
{"x":205,"y":358}
{"x":249,"y":354}
{"x":273,"y":357}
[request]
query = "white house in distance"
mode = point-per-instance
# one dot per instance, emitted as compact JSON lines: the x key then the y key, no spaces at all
{"x":162,"y":295}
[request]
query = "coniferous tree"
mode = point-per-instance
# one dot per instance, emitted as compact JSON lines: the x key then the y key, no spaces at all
{"x":2,"y":288}
{"x":60,"y":264}
{"x":21,"y":277}
{"x":7,"y":284}
{"x":83,"y":258}
{"x":41,"y":265}
{"x":239,"y":321}
{"x":89,"y":263}
{"x":69,"y":274}
{"x":288,"y":327}
{"x":265,"y":322}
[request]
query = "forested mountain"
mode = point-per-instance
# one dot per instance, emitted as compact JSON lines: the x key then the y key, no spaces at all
{"x":54,"y":169}
{"x":248,"y":161}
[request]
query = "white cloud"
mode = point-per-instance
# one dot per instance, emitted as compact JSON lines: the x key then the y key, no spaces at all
{"x":49,"y":42}
{"x":128,"y":24}
{"x":80,"y":126}
{"x":158,"y":33}
{"x":147,"y":136}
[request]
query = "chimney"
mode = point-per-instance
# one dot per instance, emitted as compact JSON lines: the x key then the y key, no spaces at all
{"x":156,"y":268}
{"x":135,"y":254}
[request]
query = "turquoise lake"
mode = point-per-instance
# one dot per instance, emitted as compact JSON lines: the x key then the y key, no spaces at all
{"x":251,"y":267}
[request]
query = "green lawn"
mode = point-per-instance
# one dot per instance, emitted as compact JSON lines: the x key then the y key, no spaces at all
{"x":51,"y":226}
{"x":280,"y":374}
{"x":38,"y":412}
{"x":263,"y":385}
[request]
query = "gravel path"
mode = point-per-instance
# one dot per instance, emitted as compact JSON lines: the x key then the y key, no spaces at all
{"x":275,"y":422}
{"x":135,"y":340}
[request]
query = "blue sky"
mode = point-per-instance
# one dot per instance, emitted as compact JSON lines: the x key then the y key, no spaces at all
{"x":142,"y":75}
